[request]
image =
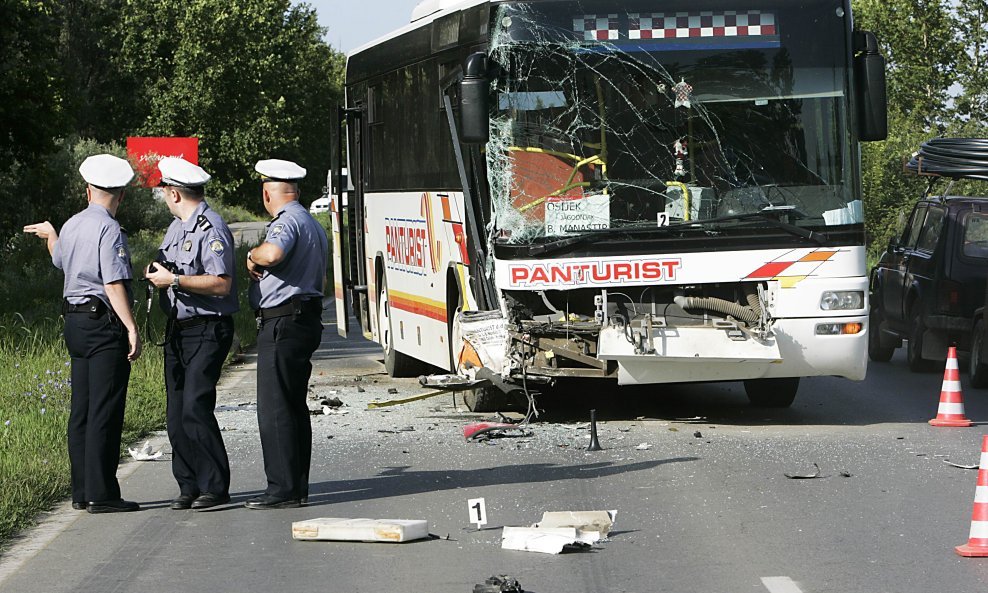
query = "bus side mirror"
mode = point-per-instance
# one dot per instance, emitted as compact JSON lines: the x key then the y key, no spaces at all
{"x":869,"y":78}
{"x":475,"y":90}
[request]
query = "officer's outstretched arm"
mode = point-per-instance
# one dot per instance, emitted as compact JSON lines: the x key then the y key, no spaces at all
{"x":117,"y":294}
{"x":45,"y":230}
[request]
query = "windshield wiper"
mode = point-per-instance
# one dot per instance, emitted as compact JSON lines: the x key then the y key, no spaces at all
{"x":769,"y":215}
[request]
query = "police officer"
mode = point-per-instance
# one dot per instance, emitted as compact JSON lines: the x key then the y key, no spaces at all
{"x":195,"y":269}
{"x":100,"y":332}
{"x":288,"y":272}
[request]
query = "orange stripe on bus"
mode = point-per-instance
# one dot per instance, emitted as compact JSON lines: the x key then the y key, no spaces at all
{"x":418,"y":307}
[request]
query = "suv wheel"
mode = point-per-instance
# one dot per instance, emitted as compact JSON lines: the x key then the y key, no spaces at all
{"x":876,"y":351}
{"x":978,"y":370}
{"x":914,"y":347}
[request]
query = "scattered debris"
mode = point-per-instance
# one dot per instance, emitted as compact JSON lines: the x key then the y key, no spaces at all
{"x":361,"y":530}
{"x":698,"y":434}
{"x":477,"y":429}
{"x":599,"y":521}
{"x":624,"y":430}
{"x":145,"y":453}
{"x":392,"y":390}
{"x":332,"y":402}
{"x":547,"y":540}
{"x":395,"y":402}
{"x":815,"y":474}
{"x":360,"y":389}
{"x":643,"y":447}
{"x":961,"y":465}
{"x":498,"y":584}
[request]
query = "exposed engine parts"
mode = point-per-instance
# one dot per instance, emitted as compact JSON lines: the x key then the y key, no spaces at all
{"x":565,"y":333}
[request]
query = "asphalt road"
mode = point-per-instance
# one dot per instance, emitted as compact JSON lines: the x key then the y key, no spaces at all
{"x":696,"y":475}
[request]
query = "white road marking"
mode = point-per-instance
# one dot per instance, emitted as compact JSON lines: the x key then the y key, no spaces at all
{"x":780,"y":585}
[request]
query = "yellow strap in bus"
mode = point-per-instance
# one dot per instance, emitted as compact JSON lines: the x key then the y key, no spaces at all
{"x":686,"y":196}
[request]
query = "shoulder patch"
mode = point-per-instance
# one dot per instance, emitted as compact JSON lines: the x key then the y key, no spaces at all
{"x":276,"y":229}
{"x":121,"y":252}
{"x":203,"y":224}
{"x":216,"y":246}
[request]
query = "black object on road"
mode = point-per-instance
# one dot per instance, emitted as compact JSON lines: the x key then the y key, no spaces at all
{"x":594,"y":443}
{"x":499,"y":584}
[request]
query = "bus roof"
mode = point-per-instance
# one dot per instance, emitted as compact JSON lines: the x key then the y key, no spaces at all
{"x":423,"y":14}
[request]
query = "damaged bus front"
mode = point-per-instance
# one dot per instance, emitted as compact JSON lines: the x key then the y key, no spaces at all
{"x":676,"y":194}
{"x":633,"y":191}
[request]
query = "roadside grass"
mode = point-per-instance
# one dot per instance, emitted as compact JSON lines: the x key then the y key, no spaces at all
{"x":35,"y":389}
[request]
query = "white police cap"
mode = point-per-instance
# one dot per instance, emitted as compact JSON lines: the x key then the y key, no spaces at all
{"x":178,"y":172}
{"x":279,"y":170}
{"x":106,"y":171}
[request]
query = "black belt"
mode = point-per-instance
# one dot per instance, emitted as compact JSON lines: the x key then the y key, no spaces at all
{"x":292,"y":307}
{"x":198,"y":320}
{"x":93,"y":306}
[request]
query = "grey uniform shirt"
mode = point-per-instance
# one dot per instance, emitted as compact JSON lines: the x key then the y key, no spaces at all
{"x":301,"y":272}
{"x":92,"y":251}
{"x":202,"y":245}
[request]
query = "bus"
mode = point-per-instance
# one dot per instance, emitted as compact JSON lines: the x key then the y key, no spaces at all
{"x":623,"y":190}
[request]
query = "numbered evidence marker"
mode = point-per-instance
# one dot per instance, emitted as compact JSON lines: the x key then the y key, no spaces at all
{"x":478,"y":511}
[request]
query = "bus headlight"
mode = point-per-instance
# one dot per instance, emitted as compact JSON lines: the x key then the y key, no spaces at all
{"x":838,"y":329}
{"x":837,"y":300}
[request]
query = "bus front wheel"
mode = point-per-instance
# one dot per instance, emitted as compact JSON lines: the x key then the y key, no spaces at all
{"x":772,"y":393}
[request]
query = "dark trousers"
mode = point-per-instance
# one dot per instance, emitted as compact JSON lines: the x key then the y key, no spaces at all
{"x":284,"y":352}
{"x":193,"y":360}
{"x":100,"y":371}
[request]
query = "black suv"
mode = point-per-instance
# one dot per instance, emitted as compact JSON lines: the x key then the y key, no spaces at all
{"x":930,"y":283}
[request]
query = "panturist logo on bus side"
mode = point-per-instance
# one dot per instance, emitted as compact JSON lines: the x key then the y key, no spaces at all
{"x":592,"y":273}
{"x":407,"y":242}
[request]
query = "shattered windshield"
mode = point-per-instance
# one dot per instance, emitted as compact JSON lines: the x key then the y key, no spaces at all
{"x":661,"y":113}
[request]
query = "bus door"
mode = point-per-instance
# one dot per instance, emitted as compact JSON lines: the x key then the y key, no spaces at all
{"x":337,"y":191}
{"x":356,"y":231}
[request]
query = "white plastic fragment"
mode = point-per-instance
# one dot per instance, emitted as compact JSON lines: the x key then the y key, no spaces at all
{"x":546,"y":540}
{"x":599,"y":521}
{"x":145,"y":453}
{"x":643,"y":447}
{"x":360,"y":530}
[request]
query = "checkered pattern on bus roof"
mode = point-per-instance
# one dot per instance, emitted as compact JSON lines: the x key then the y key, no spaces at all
{"x":681,"y":25}
{"x":597,"y":27}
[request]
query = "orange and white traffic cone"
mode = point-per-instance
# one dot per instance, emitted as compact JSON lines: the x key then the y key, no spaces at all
{"x":977,"y":542}
{"x":951,"y":410}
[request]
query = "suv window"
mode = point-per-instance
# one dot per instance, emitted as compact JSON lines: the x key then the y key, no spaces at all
{"x":930,"y":234}
{"x":915,"y":226}
{"x":976,"y":235}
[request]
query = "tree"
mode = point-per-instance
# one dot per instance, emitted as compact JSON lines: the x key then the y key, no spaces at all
{"x":921,"y":50}
{"x":972,"y":63}
{"x":251,"y":79}
{"x":31,"y":101}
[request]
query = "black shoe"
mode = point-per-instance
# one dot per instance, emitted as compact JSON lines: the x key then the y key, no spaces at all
{"x":79,"y":506}
{"x":267,"y":501}
{"x":113,"y":506}
{"x":183,"y":502}
{"x":208,"y":500}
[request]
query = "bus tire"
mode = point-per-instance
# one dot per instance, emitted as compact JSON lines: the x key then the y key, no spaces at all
{"x":491,"y":399}
{"x":771,"y":393}
{"x":978,"y":370}
{"x":397,"y":364}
